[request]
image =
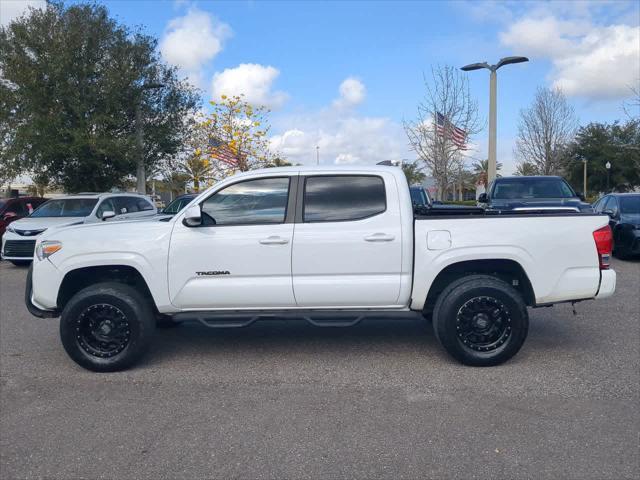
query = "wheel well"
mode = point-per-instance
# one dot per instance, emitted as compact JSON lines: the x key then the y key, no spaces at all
{"x":507,"y":270}
{"x":76,"y":280}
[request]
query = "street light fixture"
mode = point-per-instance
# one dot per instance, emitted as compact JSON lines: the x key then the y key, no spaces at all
{"x":141,"y":177}
{"x":491,"y":174}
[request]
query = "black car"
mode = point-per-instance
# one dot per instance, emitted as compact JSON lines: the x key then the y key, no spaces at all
{"x":178,"y":204}
{"x":624,"y":218}
{"x":536,"y":193}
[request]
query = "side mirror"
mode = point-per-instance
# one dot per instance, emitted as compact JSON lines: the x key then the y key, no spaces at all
{"x":192,"y":217}
{"x":107,"y":214}
{"x":9,"y":215}
{"x":580,"y":195}
{"x":609,"y":212}
{"x":482,"y":198}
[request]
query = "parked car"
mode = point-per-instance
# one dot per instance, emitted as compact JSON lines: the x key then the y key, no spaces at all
{"x":332,"y":245}
{"x":19,"y":241}
{"x":178,"y":204}
{"x":423,"y":204}
{"x":12,"y":209}
{"x":536,"y":193}
{"x":624,"y":218}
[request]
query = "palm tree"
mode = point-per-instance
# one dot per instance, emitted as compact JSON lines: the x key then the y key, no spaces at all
{"x":481,"y":171}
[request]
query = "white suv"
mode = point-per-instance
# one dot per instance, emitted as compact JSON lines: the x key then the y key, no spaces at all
{"x":19,"y":240}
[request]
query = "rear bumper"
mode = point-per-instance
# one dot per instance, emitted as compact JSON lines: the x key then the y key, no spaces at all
{"x":607,"y":284}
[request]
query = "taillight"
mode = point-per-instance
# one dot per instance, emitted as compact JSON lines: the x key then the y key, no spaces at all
{"x":604,"y":245}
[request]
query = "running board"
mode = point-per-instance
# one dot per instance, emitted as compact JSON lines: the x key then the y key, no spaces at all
{"x":317,"y":318}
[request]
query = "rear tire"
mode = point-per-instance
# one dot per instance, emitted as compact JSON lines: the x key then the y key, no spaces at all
{"x":480,"y":320}
{"x":107,"y":327}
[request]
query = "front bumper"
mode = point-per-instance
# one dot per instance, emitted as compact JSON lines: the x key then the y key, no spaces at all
{"x":35,"y":310}
{"x":607,"y":284}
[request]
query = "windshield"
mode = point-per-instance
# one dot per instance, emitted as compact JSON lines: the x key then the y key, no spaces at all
{"x":177,"y":205}
{"x":68,"y":207}
{"x":630,"y":204}
{"x":540,"y":187}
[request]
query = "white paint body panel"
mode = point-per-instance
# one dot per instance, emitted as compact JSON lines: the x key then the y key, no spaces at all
{"x":328,"y":265}
{"x":346,"y":263}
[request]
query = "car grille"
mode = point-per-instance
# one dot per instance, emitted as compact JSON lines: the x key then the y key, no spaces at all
{"x":19,"y":248}
{"x":28,"y":233}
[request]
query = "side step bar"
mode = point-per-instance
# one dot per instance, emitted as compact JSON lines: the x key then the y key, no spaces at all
{"x":317,"y":318}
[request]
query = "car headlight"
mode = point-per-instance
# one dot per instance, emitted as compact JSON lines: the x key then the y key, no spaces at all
{"x":47,"y":248}
{"x":10,"y":229}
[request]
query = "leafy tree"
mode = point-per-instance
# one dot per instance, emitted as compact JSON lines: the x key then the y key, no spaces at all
{"x":526,"y":169}
{"x":481,"y":171}
{"x":413,"y":172}
{"x":599,"y":143}
{"x":234,"y":136}
{"x":72,"y":79}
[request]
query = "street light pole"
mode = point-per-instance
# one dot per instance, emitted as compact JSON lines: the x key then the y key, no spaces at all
{"x":141,"y":177}
{"x":584,"y":189}
{"x":317,"y":155}
{"x":608,"y":167}
{"x":493,"y":87}
{"x":492,"y":170}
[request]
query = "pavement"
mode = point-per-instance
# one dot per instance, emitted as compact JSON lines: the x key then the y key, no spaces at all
{"x":287,"y":400}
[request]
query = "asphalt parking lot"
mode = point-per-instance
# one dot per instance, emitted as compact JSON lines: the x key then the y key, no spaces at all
{"x":287,"y":400}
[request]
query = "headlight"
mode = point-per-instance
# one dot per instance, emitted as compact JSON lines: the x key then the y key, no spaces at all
{"x":47,"y":248}
{"x":10,"y":229}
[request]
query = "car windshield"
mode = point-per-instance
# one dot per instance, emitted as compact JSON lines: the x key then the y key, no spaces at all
{"x":540,"y":187}
{"x":630,"y":204}
{"x":177,"y":205}
{"x":418,"y":196}
{"x":68,"y":207}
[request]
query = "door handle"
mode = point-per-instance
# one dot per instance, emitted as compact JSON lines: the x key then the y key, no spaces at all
{"x":379,"y":237}
{"x":274,"y":240}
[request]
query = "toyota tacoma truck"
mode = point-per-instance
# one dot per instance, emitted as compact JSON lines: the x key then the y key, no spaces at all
{"x":328,"y":245}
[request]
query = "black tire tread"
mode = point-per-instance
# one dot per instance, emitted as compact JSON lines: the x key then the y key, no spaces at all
{"x":125,"y":295}
{"x":451,"y":344}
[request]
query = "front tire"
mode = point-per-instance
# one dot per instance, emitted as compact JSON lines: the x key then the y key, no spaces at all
{"x":107,"y":327}
{"x":480,"y":320}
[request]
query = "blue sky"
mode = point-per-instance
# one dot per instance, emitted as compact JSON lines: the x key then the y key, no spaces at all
{"x":294,"y":56}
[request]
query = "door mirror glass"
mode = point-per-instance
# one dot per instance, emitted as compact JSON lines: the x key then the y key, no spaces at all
{"x":108,"y":214}
{"x":482,"y":198}
{"x":193,"y":216}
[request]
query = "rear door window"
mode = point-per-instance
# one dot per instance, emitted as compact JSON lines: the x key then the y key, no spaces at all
{"x":338,"y":198}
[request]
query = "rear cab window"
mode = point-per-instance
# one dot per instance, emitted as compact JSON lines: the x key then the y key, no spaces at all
{"x":339,"y":198}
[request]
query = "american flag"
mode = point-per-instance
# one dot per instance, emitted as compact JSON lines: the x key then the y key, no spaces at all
{"x":445,"y":128}
{"x":222,"y":152}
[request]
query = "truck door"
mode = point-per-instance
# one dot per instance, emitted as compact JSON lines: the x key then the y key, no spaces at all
{"x":240,"y":257}
{"x":347,"y":245}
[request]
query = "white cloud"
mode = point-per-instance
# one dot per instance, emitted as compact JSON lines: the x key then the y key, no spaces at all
{"x":190,"y":41}
{"x":12,"y":9}
{"x":252,"y":80}
{"x":352,"y":93}
{"x":350,"y":139}
{"x":588,"y":60}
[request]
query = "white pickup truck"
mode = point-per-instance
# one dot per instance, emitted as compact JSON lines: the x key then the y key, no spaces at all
{"x":329,"y":245}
